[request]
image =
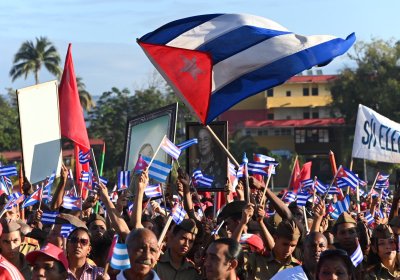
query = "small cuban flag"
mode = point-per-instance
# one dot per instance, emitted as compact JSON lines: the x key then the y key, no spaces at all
{"x":357,"y":257}
{"x":9,"y":170}
{"x":124,"y":178}
{"x":72,"y":203}
{"x":170,"y":148}
{"x":186,"y":144}
{"x":152,"y":191}
{"x":178,"y":214}
{"x":119,"y":257}
{"x":66,"y":229}
{"x":49,"y":217}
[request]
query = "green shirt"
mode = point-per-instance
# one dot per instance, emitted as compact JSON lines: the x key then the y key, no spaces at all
{"x":166,"y":271}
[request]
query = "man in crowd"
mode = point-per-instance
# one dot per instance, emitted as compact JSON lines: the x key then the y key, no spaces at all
{"x":7,"y":270}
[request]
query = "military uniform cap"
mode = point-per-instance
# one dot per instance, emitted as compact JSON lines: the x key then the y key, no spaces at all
{"x":95,"y":217}
{"x":9,"y":226}
{"x":232,"y":209}
{"x":64,"y":218}
{"x":288,"y":229}
{"x":188,"y":225}
{"x":383,"y":232}
{"x":345,"y":218}
{"x":395,"y":221}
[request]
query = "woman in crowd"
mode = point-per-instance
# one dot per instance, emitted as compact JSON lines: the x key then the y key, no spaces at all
{"x":334,"y":264}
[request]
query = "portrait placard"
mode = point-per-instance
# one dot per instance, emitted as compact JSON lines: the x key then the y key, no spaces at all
{"x":207,"y":155}
{"x":145,"y":133}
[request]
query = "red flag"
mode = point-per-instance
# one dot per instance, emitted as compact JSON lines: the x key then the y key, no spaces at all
{"x":188,"y":71}
{"x":71,"y":115}
{"x":294,"y":181}
{"x":305,"y":172}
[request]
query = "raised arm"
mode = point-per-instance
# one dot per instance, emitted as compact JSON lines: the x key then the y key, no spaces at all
{"x":247,"y":213}
{"x":319,"y":213}
{"x":117,"y":222}
{"x":57,"y":200}
{"x":268,"y":238}
{"x":136,"y":217}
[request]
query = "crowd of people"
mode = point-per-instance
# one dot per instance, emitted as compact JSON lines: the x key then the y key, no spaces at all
{"x":264,"y":238}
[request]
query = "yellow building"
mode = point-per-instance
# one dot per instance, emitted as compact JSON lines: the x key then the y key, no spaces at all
{"x":293,"y":118}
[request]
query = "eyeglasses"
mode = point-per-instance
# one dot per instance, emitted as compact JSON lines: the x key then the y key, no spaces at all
{"x":82,"y":241}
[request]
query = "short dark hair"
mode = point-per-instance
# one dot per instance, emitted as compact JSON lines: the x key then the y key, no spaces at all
{"x":234,"y":248}
{"x":335,"y":254}
{"x":80,"y":229}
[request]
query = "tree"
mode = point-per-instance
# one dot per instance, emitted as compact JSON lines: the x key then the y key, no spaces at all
{"x":108,"y":120}
{"x":85,"y":97}
{"x":31,"y":57}
{"x":10,"y":136}
{"x":375,"y":82}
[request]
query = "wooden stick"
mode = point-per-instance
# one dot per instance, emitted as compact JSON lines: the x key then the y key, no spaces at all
{"x":164,"y":232}
{"x":305,"y":219}
{"x":333,"y":181}
{"x":246,"y":176}
{"x":358,"y":197}
{"x":266,"y":185}
{"x":155,"y":154}
{"x":291,"y":173}
{"x":96,"y":171}
{"x":222,"y":146}
{"x":314,"y":191}
{"x":376,"y":178}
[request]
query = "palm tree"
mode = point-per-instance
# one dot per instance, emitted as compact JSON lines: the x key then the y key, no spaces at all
{"x":31,"y":57}
{"x":85,"y":98}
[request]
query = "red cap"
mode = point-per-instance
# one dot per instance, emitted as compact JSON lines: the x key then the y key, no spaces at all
{"x":254,"y":241}
{"x":50,"y":250}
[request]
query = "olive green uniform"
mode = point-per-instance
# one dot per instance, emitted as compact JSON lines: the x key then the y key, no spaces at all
{"x":381,"y":272}
{"x":166,"y":271}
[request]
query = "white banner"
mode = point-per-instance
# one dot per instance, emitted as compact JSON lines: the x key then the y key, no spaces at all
{"x":376,"y":137}
{"x":40,"y":130}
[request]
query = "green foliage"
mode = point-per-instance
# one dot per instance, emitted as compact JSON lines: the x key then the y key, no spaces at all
{"x":85,"y":97}
{"x":375,"y":82}
{"x":108,"y":120}
{"x":10,"y":136}
{"x":31,"y":57}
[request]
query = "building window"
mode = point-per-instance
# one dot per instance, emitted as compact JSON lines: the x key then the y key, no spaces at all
{"x":314,"y":91}
{"x":288,"y":93}
{"x":323,"y":136}
{"x":306,"y":115}
{"x":270,"y":92}
{"x":315,"y":115}
{"x":270,"y":116}
{"x":312,"y":136}
{"x":306,"y":91}
{"x":300,"y":136}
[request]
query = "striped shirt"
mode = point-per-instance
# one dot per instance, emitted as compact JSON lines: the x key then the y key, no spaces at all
{"x":9,"y":271}
{"x":90,"y":272}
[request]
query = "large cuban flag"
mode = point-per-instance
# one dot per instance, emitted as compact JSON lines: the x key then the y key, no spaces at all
{"x":215,"y":61}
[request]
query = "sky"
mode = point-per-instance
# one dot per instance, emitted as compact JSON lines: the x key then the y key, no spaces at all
{"x":103,"y":33}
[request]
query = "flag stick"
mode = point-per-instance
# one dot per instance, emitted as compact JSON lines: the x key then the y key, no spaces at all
{"x":333,"y":180}
{"x":358,"y":196}
{"x":266,"y":186}
{"x":314,"y":191}
{"x":373,"y":185}
{"x":291,"y":173}
{"x":164,"y":232}
{"x":154,"y":156}
{"x":351,"y":164}
{"x":222,"y":146}
{"x":96,"y":171}
{"x":305,"y":219}
{"x":218,"y":228}
{"x":21,"y":183}
{"x":103,"y":154}
{"x":165,"y":200}
{"x":246,"y":176}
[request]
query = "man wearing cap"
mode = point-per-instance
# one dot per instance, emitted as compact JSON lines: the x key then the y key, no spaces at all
{"x":48,"y":263}
{"x":97,"y":226}
{"x":174,"y":264}
{"x":7,"y":270}
{"x":10,"y":243}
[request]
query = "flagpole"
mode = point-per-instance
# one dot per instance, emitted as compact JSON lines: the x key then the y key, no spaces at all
{"x":314,"y":191}
{"x":376,"y":178}
{"x":333,"y":180}
{"x":164,"y":232}
{"x":291,"y":173}
{"x":305,"y":219}
{"x":96,"y":171}
{"x":266,"y":186}
{"x":246,"y":176}
{"x":165,"y":200}
{"x":358,"y":197}
{"x":21,"y":183}
{"x":103,"y":154}
{"x":155,"y":154}
{"x":222,"y":146}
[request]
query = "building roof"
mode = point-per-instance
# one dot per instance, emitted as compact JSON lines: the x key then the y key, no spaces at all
{"x":312,"y":79}
{"x":292,"y":123}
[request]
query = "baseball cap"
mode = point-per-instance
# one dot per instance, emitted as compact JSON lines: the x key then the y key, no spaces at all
{"x":50,"y":250}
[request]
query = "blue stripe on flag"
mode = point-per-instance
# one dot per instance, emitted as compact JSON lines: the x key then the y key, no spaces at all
{"x":120,"y":257}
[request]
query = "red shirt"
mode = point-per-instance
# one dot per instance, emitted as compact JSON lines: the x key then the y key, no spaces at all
{"x":8,"y":271}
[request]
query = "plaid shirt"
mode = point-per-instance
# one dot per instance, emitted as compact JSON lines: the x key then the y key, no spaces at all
{"x":90,"y":272}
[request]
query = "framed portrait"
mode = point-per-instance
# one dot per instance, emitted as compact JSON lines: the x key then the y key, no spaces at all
{"x":145,"y":133}
{"x":207,"y":155}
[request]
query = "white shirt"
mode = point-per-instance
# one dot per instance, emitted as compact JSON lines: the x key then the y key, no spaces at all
{"x":293,"y":273}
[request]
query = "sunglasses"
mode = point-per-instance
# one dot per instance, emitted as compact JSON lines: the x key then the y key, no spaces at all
{"x":82,"y":241}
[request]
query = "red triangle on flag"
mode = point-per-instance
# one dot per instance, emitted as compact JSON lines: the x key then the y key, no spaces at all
{"x":187,"y":71}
